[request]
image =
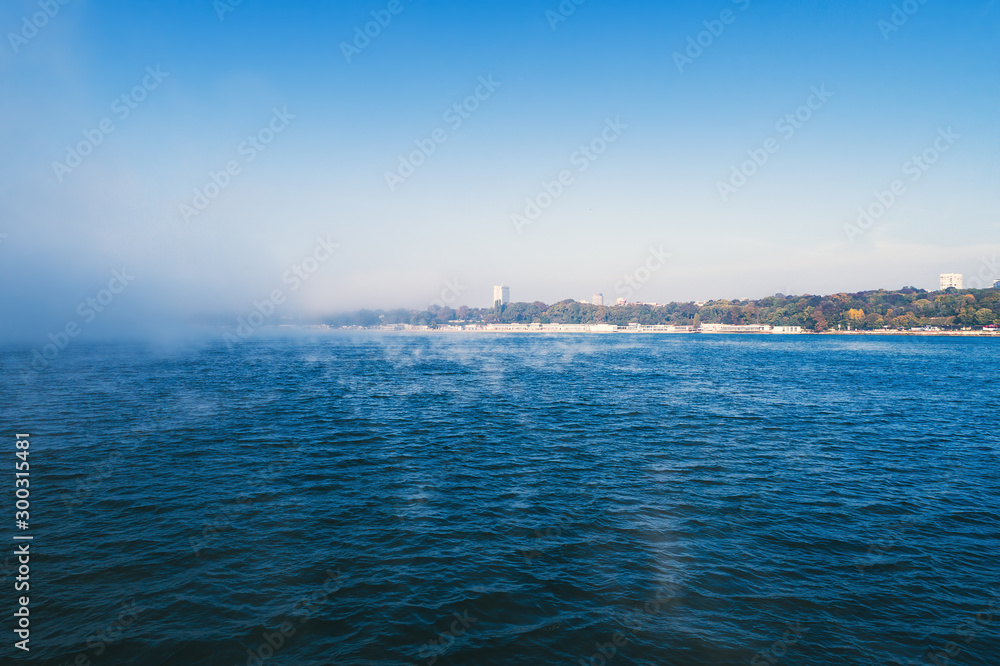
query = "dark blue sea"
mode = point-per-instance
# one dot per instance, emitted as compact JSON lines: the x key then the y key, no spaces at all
{"x":336,"y":498}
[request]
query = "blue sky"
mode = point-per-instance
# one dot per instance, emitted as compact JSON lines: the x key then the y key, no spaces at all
{"x":893,"y":89}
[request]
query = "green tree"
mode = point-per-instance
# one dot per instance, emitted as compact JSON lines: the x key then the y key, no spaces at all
{"x":984,"y":317}
{"x":967,"y":316}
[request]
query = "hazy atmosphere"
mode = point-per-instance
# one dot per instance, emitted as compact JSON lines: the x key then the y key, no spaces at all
{"x":440,"y":333}
{"x":204,"y":150}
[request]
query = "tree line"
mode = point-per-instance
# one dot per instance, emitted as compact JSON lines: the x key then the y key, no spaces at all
{"x":867,"y":310}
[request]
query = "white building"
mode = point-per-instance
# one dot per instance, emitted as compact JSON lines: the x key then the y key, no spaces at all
{"x":996,"y":284}
{"x":501,"y":295}
{"x":787,"y":329}
{"x":598,"y":299}
{"x":951,"y":280}
{"x":621,"y":301}
{"x":735,"y":328}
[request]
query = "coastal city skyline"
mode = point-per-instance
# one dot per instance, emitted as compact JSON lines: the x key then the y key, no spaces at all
{"x":950,"y":311}
{"x":502,"y":293}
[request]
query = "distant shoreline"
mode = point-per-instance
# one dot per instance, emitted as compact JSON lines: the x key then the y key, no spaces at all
{"x":907,"y":310}
{"x":583,"y":330}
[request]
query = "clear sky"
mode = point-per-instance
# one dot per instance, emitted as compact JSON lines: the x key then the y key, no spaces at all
{"x":668,"y":98}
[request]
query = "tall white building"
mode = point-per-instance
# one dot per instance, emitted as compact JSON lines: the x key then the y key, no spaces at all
{"x":501,"y":295}
{"x":598,"y":299}
{"x":951,"y":280}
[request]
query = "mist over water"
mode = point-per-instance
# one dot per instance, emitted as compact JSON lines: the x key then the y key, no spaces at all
{"x":431,"y":499}
{"x":194,"y":195}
